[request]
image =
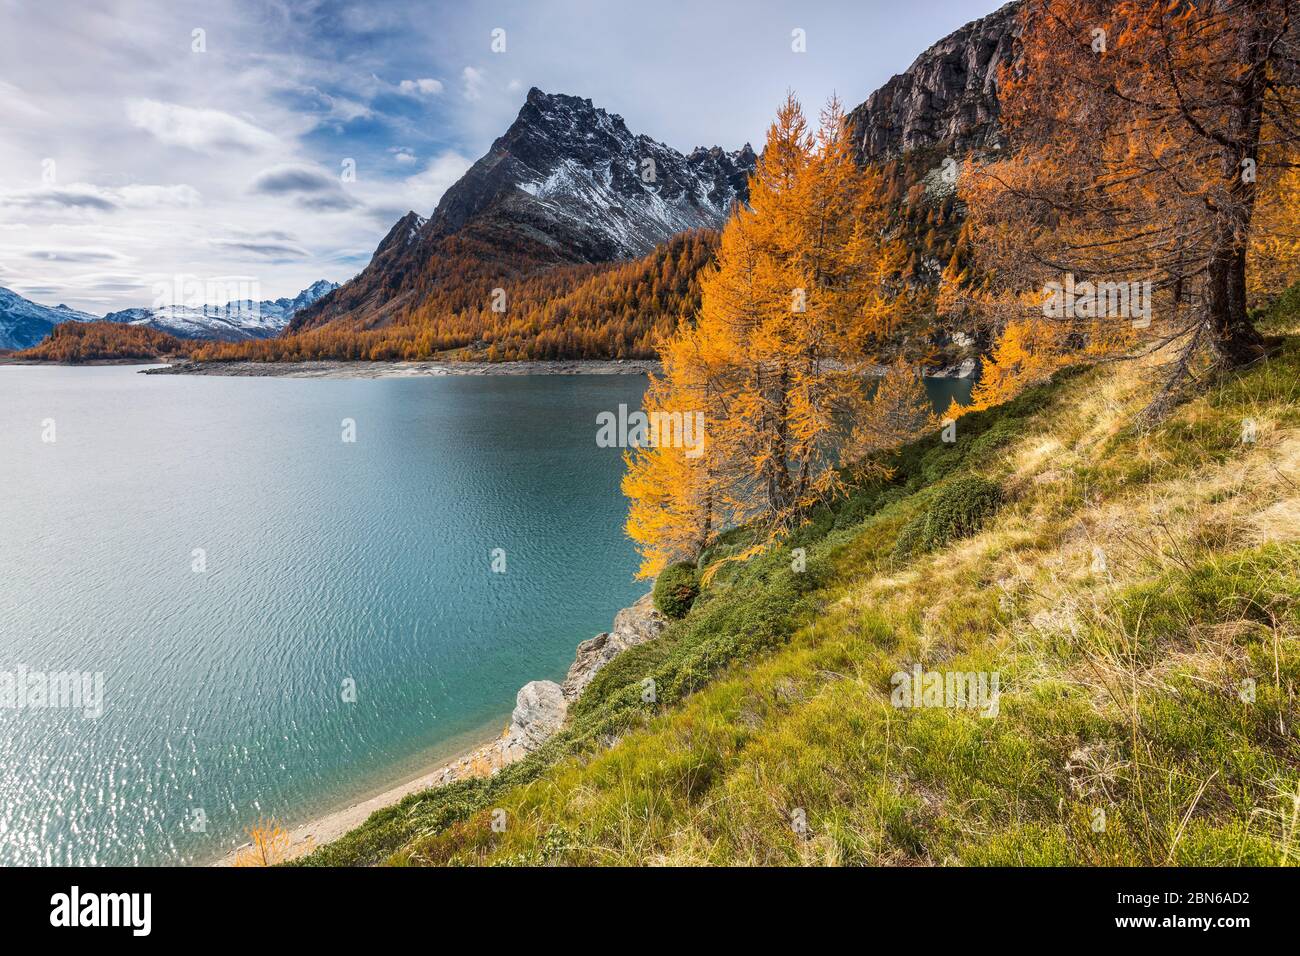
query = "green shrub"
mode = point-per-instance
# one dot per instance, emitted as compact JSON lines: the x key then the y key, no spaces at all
{"x":938,"y":462}
{"x":1001,"y":433}
{"x":676,"y":589}
{"x":957,"y":511}
{"x":858,"y":507}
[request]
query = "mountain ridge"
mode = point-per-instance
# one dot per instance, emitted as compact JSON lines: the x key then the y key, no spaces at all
{"x":232,"y":322}
{"x":947,"y":98}
{"x":24,"y":323}
{"x":562,"y":185}
{"x":567,"y":183}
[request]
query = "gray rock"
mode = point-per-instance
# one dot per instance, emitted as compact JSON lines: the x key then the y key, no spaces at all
{"x":947,"y":98}
{"x":965,"y":370}
{"x":632,"y":626}
{"x":539,"y":712}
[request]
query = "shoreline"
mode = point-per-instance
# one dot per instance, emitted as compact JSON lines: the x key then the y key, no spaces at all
{"x":366,"y":370}
{"x":327,"y":827}
{"x":541,"y":709}
{"x":349,"y":370}
{"x":89,"y":363}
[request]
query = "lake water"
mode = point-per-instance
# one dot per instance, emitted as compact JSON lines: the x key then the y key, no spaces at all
{"x":233,"y":567}
{"x":326,"y":561}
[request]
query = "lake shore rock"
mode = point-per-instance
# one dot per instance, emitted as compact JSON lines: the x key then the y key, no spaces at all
{"x":632,"y":626}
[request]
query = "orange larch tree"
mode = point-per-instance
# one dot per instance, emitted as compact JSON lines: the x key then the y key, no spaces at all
{"x":1143,"y":135}
{"x":806,"y":284}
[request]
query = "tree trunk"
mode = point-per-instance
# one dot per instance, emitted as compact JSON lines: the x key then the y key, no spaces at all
{"x":1236,"y":340}
{"x":778,"y":480}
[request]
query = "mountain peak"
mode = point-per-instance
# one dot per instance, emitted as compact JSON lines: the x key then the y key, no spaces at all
{"x":24,"y":323}
{"x":604,"y":192}
{"x":567,"y":182}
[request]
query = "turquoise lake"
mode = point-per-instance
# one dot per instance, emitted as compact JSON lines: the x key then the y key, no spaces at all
{"x":326,"y":561}
{"x":230,"y":565}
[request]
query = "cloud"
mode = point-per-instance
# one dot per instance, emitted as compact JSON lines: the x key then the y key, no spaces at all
{"x":402,"y":155}
{"x":293,"y":178}
{"x":270,"y":248}
{"x":15,"y":105}
{"x":345,"y":110}
{"x":113,"y":282}
{"x":68,"y":254}
{"x":33,"y":292}
{"x":201,"y":130}
{"x":76,"y":196}
{"x":473,"y":82}
{"x":86,"y":197}
{"x":309,"y":186}
{"x":422,"y":87}
{"x":424,"y":189}
{"x":152,"y":197}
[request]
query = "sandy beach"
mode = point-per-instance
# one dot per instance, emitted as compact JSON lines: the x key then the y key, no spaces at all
{"x":478,"y":759}
{"x":332,"y":369}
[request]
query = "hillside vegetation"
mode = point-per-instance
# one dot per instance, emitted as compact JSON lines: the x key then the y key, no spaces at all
{"x":608,"y":310}
{"x":1136,"y":592}
{"x":97,"y":341}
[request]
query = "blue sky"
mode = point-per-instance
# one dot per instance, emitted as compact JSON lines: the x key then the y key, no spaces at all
{"x":134,"y":149}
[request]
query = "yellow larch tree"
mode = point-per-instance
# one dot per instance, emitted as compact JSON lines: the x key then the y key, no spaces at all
{"x":805,"y":284}
{"x":898,"y":411}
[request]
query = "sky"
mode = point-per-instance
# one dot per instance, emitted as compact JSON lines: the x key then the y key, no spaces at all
{"x":277,"y":141}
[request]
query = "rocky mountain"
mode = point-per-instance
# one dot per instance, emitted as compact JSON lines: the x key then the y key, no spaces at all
{"x":23,"y":323}
{"x":947,"y":98}
{"x":232,"y":322}
{"x":590,"y":188}
{"x":567,"y":183}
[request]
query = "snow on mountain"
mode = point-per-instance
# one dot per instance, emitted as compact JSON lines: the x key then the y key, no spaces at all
{"x":232,"y":322}
{"x":23,"y":323}
{"x":566,"y":183}
{"x":599,"y":192}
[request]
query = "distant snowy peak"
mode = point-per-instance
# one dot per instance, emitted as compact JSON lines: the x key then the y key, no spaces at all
{"x":307,"y":296}
{"x":232,"y":322}
{"x":24,"y":323}
{"x":597,"y":191}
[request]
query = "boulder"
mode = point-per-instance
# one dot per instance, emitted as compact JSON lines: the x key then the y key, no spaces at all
{"x":632,"y":626}
{"x":539,"y":712}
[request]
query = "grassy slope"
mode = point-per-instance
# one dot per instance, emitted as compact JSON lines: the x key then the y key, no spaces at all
{"x":1120,"y":681}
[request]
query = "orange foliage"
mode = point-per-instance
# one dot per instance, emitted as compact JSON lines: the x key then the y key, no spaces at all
{"x":1025,"y":354}
{"x":1149,"y":138}
{"x":89,"y":341}
{"x":268,"y":845}
{"x":805,"y":288}
{"x":610,"y":310}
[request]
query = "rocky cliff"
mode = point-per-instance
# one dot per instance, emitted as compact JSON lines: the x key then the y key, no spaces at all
{"x":947,"y":98}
